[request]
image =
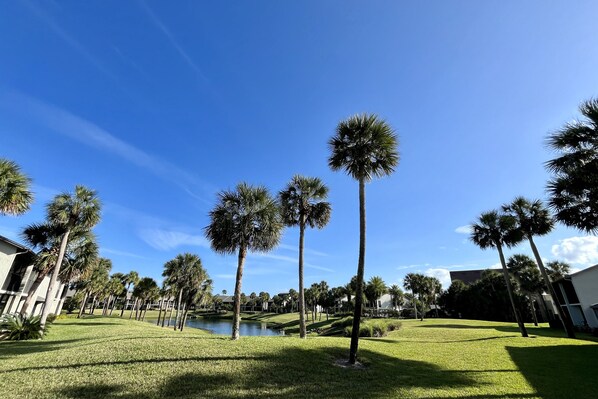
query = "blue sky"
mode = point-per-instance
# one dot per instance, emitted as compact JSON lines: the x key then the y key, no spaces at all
{"x":159,"y":107}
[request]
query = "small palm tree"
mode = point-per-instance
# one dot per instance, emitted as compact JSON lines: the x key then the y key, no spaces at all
{"x":79,"y":211}
{"x":129,"y":279}
{"x":493,"y":230}
{"x":374,"y":289}
{"x":413,"y":283}
{"x":15,"y":189}
{"x":247,"y":219}
{"x":533,"y":219}
{"x":365,"y":147}
{"x":557,"y":270}
{"x":303,"y":203}
{"x":397,"y":296}
{"x":573,"y":190}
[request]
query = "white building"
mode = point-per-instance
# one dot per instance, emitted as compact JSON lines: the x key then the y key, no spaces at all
{"x":578,"y":294}
{"x":17,"y":276}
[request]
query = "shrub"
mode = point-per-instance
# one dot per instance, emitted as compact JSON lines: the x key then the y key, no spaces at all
{"x":14,"y":327}
{"x":70,"y":304}
{"x":393,"y":325}
{"x":379,"y":329}
{"x":347,"y":321}
{"x":365,"y":330}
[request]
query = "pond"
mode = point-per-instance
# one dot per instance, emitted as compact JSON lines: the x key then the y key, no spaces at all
{"x":224,"y":327}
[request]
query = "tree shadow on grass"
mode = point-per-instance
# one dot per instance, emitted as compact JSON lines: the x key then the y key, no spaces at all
{"x":286,"y":373}
{"x":15,"y":348}
{"x":555,"y":372}
{"x":539,"y":331}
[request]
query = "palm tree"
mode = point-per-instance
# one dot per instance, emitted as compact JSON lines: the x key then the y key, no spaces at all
{"x":374,"y":289}
{"x":15,"y":190}
{"x":573,"y":190}
{"x":533,"y":219}
{"x":397,"y":296}
{"x":412,"y":282}
{"x":247,"y":219}
{"x":93,"y":281}
{"x":493,"y":230}
{"x":146,"y":290}
{"x":46,"y":239}
{"x":72,"y":212}
{"x":557,"y":270}
{"x":130,"y":278}
{"x":303,"y":203}
{"x":365,"y":147}
{"x":525,"y":271}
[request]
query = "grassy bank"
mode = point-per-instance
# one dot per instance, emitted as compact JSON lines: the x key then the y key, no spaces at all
{"x":113,"y":358}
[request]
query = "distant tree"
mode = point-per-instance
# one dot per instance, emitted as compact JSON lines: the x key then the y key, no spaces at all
{"x":533,"y":219}
{"x":129,"y":279}
{"x":557,"y":270}
{"x":303,"y":203}
{"x":247,"y":219}
{"x":15,"y":189}
{"x":263,"y":297}
{"x":493,"y":230}
{"x":573,"y":188}
{"x":147,"y":291}
{"x":414,"y":283}
{"x":524,"y":269}
{"x":397,"y":296}
{"x":365,"y":147}
{"x":453,"y":300}
{"x":93,"y":281}
{"x":374,"y":289}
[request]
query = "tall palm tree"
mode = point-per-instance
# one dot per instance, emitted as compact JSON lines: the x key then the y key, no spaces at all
{"x":303,"y":203}
{"x":93,"y":281}
{"x":365,"y":147}
{"x":129,"y":279}
{"x":413,"y":282}
{"x":146,"y":290}
{"x":15,"y":189}
{"x":71,"y":211}
{"x":573,"y":190}
{"x":247,"y":219}
{"x":493,"y":230}
{"x":533,"y":219}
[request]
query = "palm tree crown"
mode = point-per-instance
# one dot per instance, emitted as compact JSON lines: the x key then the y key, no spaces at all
{"x":303,"y":202}
{"x":493,"y":229}
{"x":246,"y":218}
{"x":573,"y":189}
{"x":365,"y":147}
{"x":532,"y":217}
{"x":80,"y":209}
{"x":15,"y":191}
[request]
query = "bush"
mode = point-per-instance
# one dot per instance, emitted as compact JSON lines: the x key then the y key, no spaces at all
{"x":14,"y":327}
{"x":70,"y":304}
{"x":394,"y":325}
{"x":347,"y":321}
{"x":379,"y":329}
{"x":365,"y":330}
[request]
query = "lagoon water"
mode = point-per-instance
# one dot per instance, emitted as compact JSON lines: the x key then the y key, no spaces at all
{"x":224,"y":327}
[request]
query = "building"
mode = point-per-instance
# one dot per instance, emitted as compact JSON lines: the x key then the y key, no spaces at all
{"x":467,"y":276}
{"x":578,"y":294}
{"x":16,"y":278}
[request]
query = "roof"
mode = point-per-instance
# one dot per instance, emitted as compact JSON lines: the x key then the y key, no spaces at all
{"x":15,"y":244}
{"x":587,"y":269}
{"x":467,"y":276}
{"x":224,"y":298}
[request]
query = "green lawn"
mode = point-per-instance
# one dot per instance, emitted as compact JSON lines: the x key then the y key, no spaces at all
{"x":113,"y":358}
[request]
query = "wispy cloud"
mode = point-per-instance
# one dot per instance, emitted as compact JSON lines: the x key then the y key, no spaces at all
{"x":88,"y":133}
{"x":121,"y":253}
{"x":295,"y":248}
{"x":160,"y":25}
{"x":463,"y":229}
{"x":293,"y":260}
{"x":67,"y":37}
{"x":165,"y":240}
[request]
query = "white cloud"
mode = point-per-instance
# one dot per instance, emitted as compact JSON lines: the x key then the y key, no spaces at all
{"x":441,"y":274}
{"x":463,"y":229}
{"x":293,"y":260}
{"x":579,"y":250}
{"x":121,"y":253}
{"x":165,"y":240}
{"x":295,"y":248}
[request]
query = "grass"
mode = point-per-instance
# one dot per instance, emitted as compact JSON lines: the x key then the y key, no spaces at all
{"x":113,"y":358}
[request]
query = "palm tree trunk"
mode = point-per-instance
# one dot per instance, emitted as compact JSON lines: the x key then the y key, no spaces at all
{"x":144,"y":312}
{"x":105,"y":305}
{"x":421,"y":313}
{"x":63,"y":293}
{"x":510,"y":291}
{"x":92,"y":305}
{"x":237,"y":303}
{"x":178,"y":309}
{"x":533,"y":309}
{"x":132,"y":309}
{"x":32,"y":291}
{"x":160,"y":311}
{"x":114,"y":301}
{"x":567,"y":324}
{"x":85,"y":298}
{"x":183,"y":313}
{"x":170,"y":315}
{"x":122,"y":312}
{"x":302,"y":328}
{"x":360,"y":273}
{"x":165,"y":311}
{"x":138,"y":304}
{"x":53,"y":279}
{"x":414,"y":303}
